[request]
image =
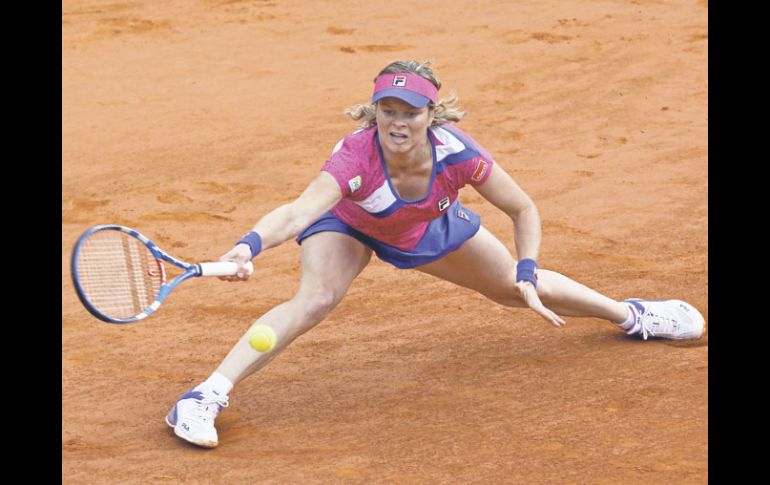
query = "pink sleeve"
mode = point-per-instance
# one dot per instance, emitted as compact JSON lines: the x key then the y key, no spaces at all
{"x":476,"y":170}
{"x":343,"y":167}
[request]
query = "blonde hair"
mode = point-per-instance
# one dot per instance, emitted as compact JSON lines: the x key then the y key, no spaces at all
{"x":445,"y":111}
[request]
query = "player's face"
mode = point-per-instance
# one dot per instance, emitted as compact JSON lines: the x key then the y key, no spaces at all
{"x":401,"y":126}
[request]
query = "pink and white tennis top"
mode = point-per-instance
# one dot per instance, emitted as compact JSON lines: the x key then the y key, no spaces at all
{"x":372,"y":206}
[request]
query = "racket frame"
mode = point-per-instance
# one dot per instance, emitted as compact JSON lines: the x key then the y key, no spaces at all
{"x":190,"y":270}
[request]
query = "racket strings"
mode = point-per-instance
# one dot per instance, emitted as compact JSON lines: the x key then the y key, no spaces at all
{"x":118,"y":274}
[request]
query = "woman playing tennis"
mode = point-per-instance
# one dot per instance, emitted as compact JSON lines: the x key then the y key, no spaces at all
{"x":391,"y":188}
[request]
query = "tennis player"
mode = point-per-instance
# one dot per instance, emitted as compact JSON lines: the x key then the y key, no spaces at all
{"x":391,"y":188}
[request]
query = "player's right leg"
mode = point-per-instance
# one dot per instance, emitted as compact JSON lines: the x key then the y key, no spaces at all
{"x":330,"y":263}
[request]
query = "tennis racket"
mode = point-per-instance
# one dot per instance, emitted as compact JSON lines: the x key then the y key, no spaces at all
{"x":119,"y":274}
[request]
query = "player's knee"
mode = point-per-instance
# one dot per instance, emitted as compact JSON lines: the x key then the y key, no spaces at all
{"x":318,"y":303}
{"x":508,"y":296}
{"x":515,"y":299}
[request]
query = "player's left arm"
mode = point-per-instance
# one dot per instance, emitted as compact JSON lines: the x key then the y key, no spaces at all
{"x":505,"y":194}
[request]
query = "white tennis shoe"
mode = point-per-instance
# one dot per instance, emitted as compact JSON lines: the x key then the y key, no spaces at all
{"x":672,"y":319}
{"x":193,"y":415}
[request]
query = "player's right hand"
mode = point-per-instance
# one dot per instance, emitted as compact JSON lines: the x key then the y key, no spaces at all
{"x":240,"y":255}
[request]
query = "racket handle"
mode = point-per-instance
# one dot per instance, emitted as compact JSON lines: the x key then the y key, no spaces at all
{"x":225,"y":268}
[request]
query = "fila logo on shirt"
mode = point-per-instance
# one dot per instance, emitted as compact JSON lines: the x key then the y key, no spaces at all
{"x":355,"y":183}
{"x":462,"y":215}
{"x":481,"y":169}
{"x":443,"y":204}
{"x":399,"y":81}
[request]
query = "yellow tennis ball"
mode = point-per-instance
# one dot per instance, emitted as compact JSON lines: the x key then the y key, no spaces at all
{"x":262,"y":338}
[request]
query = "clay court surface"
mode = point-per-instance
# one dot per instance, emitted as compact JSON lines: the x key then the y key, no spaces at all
{"x":188,"y":120}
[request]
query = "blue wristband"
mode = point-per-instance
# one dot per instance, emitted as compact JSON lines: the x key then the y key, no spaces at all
{"x":254,"y":241}
{"x":526,"y":270}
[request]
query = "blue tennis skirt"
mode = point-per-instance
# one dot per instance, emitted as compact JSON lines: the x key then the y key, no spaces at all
{"x":444,"y":235}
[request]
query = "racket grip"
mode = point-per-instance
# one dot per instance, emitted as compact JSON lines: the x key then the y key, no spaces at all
{"x":225,"y":268}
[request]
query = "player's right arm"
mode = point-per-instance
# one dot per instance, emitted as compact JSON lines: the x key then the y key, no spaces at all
{"x":288,"y":220}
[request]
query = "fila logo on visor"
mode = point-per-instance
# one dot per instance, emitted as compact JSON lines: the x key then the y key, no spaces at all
{"x":355,"y":183}
{"x":443,"y":203}
{"x":399,"y":81}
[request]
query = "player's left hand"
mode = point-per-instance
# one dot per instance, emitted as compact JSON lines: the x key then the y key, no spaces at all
{"x":528,"y":293}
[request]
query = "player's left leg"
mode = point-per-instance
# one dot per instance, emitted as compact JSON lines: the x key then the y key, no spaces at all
{"x":485,"y":265}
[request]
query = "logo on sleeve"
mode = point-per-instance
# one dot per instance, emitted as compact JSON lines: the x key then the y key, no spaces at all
{"x":443,"y":203}
{"x":355,"y":183}
{"x":462,"y":215}
{"x":481,"y":169}
{"x":399,"y":81}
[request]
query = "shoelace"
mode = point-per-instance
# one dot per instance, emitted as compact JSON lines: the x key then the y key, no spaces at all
{"x":666,"y":324}
{"x":206,"y":409}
